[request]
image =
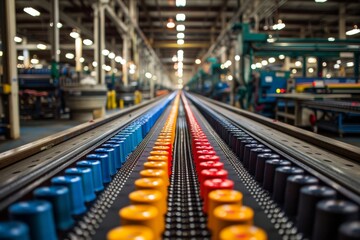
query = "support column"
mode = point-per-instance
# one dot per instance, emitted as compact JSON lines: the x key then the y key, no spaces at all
{"x":356,"y":66}
{"x":304,"y":67}
{"x":78,"y":55}
{"x":126,"y":58}
{"x":99,"y":40}
{"x":134,"y":16}
{"x":8,"y":32}
{"x":26,"y":55}
{"x":319,"y":67}
{"x":342,"y":21}
{"x":55,"y":31}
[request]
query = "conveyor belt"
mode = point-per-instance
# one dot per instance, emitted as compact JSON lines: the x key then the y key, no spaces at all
{"x":333,"y":105}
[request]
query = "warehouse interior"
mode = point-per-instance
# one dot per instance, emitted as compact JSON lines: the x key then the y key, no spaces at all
{"x":175,"y":119}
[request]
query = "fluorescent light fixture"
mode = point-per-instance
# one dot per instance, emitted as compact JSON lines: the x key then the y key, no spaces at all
{"x":123,"y":61}
{"x":222,"y":66}
{"x":324,"y":64}
{"x":264,"y":62}
{"x":180,"y":81}
{"x":237,"y":58}
{"x":148,"y":75}
{"x":111,"y":55}
{"x":258,"y":65}
{"x":279,"y":25}
{"x":281,"y":57}
{"x":180,"y":28}
{"x":227,"y":64}
{"x":180,"y":3}
{"x":86,"y":68}
{"x":32,"y":11}
{"x":272,"y":60}
{"x":180,"y":52}
{"x":312,"y":60}
{"x":174,"y":58}
{"x":180,"y":65}
{"x":115,"y":70}
{"x":298,"y":63}
{"x":270,"y":39}
{"x":1,"y":53}
{"x":253,"y":66}
{"x":105,"y":52}
{"x":34,"y":61}
{"x":41,"y":46}
{"x":293,"y":71}
{"x":181,"y":58}
{"x":132,"y":66}
{"x":337,"y":66}
{"x":94,"y":64}
{"x":338,"y":61}
{"x":310,"y":70}
{"x":180,"y":35}
{"x":230,"y":78}
{"x":59,"y":25}
{"x":197,"y":61}
{"x":69,"y":56}
{"x":17,"y":39}
{"x":107,"y":68}
{"x":180,"y":17}
{"x":170,"y":23}
{"x":180,"y":41}
{"x":118,"y":59}
{"x":21,"y":58}
{"x":353,"y":31}
{"x":349,"y":64}
{"x":132,"y":71}
{"x":87,"y":42}
{"x":331,"y":39}
{"x":74,"y":34}
{"x":328,"y":75}
{"x":82,"y":59}
{"x":320,"y":1}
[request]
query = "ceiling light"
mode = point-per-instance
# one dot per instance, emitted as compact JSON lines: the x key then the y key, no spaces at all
{"x":230,"y":78}
{"x":258,"y":65}
{"x":180,"y":35}
{"x":280,"y":25}
{"x":320,"y":1}
{"x":338,"y":61}
{"x":349,"y":64}
{"x":298,"y":63}
{"x":310,"y":70}
{"x":272,"y":60}
{"x":281,"y":57}
{"x":111,"y":55}
{"x":331,"y":39}
{"x":17,"y":39}
{"x":180,"y":41}
{"x":227,"y":64}
{"x":34,"y":61}
{"x":132,"y":71}
{"x":353,"y":31}
{"x":94,"y":64}
{"x":82,"y":59}
{"x":1,"y":53}
{"x":337,"y":66}
{"x":312,"y":60}
{"x":180,"y":65}
{"x":74,"y":34}
{"x":180,"y":28}
{"x":41,"y":46}
{"x":174,"y":58}
{"x":148,"y":75}
{"x":105,"y":52}
{"x":324,"y":64}
{"x":32,"y":11}
{"x":180,"y":3}
{"x":59,"y":25}
{"x":253,"y":66}
{"x":69,"y":56}
{"x":180,"y":17}
{"x":237,"y":58}
{"x":170,"y":23}
{"x":270,"y":39}
{"x":293,"y":71}
{"x":197,"y":61}
{"x":21,"y":58}
{"x":106,"y":68}
{"x":328,"y":75}
{"x":87,"y":42}
{"x":118,"y":59}
{"x":86,"y":68}
{"x":264,"y":62}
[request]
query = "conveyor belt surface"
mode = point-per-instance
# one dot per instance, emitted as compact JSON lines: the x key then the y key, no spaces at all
{"x":333,"y":105}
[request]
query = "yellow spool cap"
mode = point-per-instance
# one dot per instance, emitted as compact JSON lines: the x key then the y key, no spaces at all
{"x":160,"y":165}
{"x":152,"y":184}
{"x":144,"y":215}
{"x":131,"y":232}
{"x":159,"y":153}
{"x":220,"y":197}
{"x":230,"y":214}
{"x":153,"y":173}
{"x":242,"y":232}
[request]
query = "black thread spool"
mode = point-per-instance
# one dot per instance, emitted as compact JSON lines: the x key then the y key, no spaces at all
{"x":234,"y":139}
{"x":238,"y":143}
{"x":350,"y":231}
{"x":269,"y":172}
{"x":254,"y":153}
{"x":242,"y":147}
{"x":260,"y":164}
{"x":247,"y":149}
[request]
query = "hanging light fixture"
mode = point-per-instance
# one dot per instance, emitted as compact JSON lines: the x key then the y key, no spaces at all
{"x":279,"y":25}
{"x":353,"y":31}
{"x":170,"y":23}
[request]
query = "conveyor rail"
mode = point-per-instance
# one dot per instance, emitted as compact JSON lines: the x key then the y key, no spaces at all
{"x":335,"y":106}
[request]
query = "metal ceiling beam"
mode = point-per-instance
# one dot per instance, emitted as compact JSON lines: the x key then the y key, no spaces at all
{"x":173,"y":44}
{"x":120,"y":25}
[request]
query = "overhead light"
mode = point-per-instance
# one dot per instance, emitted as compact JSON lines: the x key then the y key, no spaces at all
{"x":148,"y":75}
{"x":312,"y":60}
{"x":87,"y":42}
{"x":337,"y":66}
{"x":21,"y":58}
{"x":353,"y":31}
{"x":237,"y":58}
{"x":32,"y":11}
{"x":105,"y":52}
{"x":59,"y":25}
{"x":293,"y":71}
{"x":180,"y":17}
{"x":279,"y":25}
{"x":180,"y":3}
{"x":1,"y":53}
{"x":180,"y":65}
{"x":338,"y":61}
{"x":82,"y":59}
{"x":349,"y":64}
{"x":270,"y":39}
{"x":174,"y":58}
{"x":253,"y":66}
{"x":118,"y":59}
{"x":132,"y":71}
{"x":180,"y":28}
{"x":86,"y":68}
{"x":170,"y":23}
{"x":328,"y":75}
{"x":310,"y":70}
{"x":227,"y":64}
{"x":74,"y":34}
{"x":258,"y":65}
{"x":17,"y":39}
{"x":69,"y":56}
{"x":197,"y":61}
{"x":320,"y":1}
{"x":180,"y":41}
{"x":111,"y":55}
{"x":264,"y":62}
{"x":94,"y":64}
{"x":324,"y":64}
{"x":41,"y":46}
{"x":123,"y":61}
{"x":331,"y":39}
{"x":298,"y":63}
{"x":34,"y":61}
{"x":281,"y":57}
{"x":180,"y":35}
{"x":106,"y":67}
{"x":230,"y":77}
{"x":272,"y":60}
{"x":132,"y":66}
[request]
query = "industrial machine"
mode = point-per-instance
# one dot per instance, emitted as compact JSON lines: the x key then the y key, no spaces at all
{"x":280,"y":181}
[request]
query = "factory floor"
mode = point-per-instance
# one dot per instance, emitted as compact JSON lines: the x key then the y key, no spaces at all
{"x":32,"y":130}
